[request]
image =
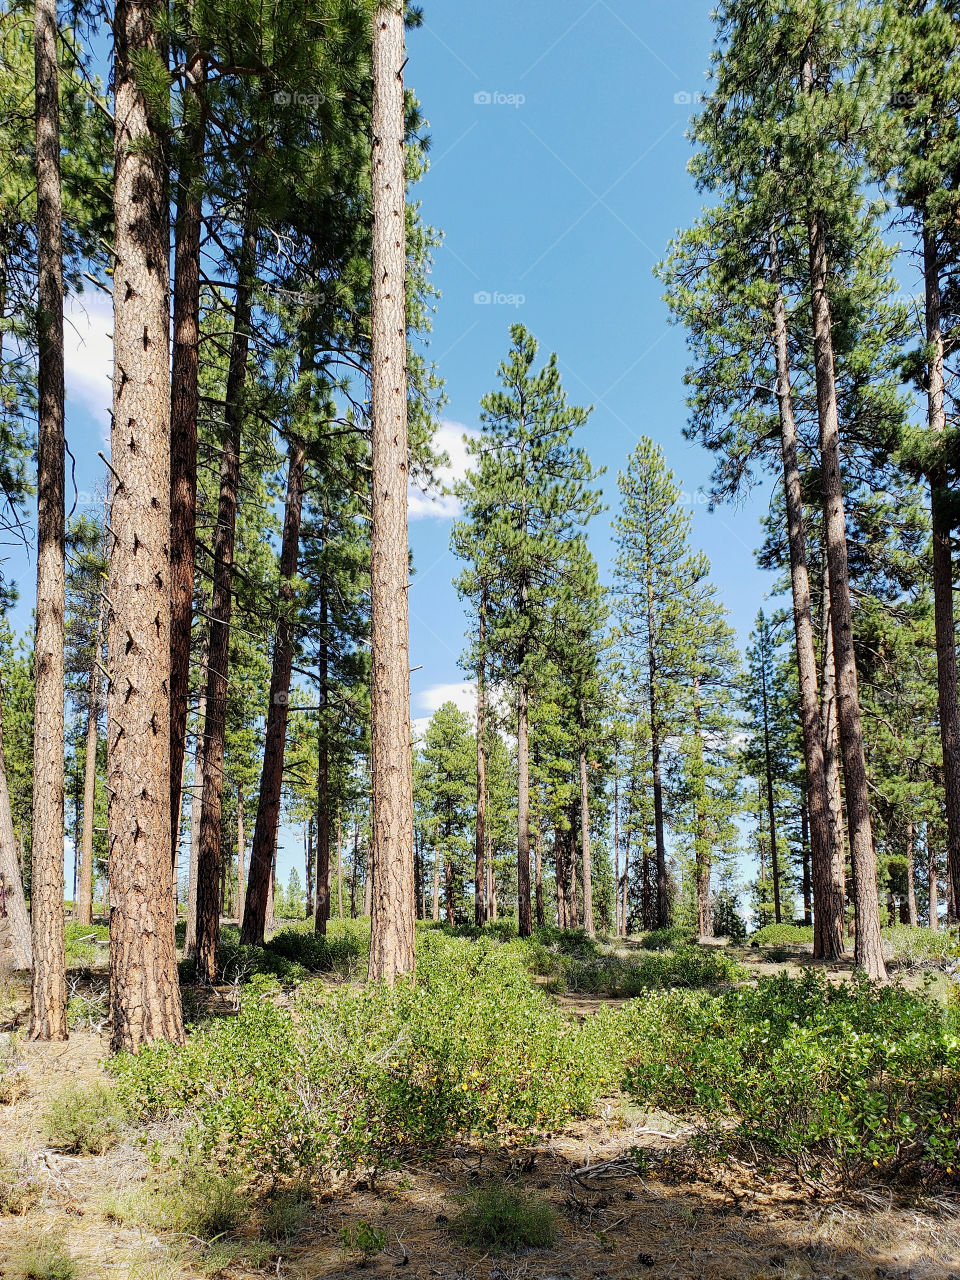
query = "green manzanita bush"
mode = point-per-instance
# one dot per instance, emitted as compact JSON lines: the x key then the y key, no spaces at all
{"x":344,"y":1077}
{"x":854,"y":1076}
{"x":782,"y":935}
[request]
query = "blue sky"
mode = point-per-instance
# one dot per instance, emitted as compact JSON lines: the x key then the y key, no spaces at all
{"x":557,"y":175}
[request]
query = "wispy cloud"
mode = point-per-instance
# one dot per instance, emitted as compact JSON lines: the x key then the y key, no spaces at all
{"x":427,"y":504}
{"x":88,"y":355}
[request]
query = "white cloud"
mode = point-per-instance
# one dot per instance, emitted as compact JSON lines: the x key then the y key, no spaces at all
{"x":88,"y":354}
{"x":451,"y":439}
{"x":463,"y":695}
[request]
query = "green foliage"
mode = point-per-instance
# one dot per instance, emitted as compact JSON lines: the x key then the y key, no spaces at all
{"x":498,"y":1218}
{"x":625,"y":976}
{"x":85,"y":1119}
{"x":81,"y":939}
{"x":361,"y":1242}
{"x":782,"y":935}
{"x":351,"y":1076}
{"x":850,"y":1077}
{"x":667,"y":939}
{"x":915,"y":948}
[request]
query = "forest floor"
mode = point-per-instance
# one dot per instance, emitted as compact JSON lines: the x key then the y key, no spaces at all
{"x":684,"y":1219}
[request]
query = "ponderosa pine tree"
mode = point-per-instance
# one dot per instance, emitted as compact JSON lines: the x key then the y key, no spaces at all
{"x":391,"y":844}
{"x":144,"y":986}
{"x":528,"y":498}
{"x":924,"y":78}
{"x":657,"y":580}
{"x":48,"y":1007}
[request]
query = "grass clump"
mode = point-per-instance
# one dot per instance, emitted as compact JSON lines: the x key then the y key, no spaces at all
{"x":13,"y":1068}
{"x":85,"y":1119}
{"x":499,"y":1218}
{"x":45,"y":1259}
{"x":196,"y":1201}
{"x":19,"y":1185}
{"x":782,"y":935}
{"x":360,"y":1243}
{"x":851,"y":1078}
{"x":286,"y":1212}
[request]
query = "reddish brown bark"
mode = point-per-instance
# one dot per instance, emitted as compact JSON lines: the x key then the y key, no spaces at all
{"x":271,"y":776}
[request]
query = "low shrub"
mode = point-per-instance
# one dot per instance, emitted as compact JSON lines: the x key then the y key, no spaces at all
{"x":498,"y":1218}
{"x":360,"y":1242}
{"x":667,"y":939}
{"x":782,"y":935}
{"x":347,"y":1076}
{"x":85,"y":1119}
{"x":918,"y":948}
{"x":627,"y":976}
{"x":82,"y":951}
{"x":852,"y":1076}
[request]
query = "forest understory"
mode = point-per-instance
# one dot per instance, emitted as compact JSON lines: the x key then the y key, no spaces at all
{"x":629,"y":1189}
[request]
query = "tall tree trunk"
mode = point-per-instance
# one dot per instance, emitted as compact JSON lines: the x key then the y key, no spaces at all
{"x":353,"y":870}
{"x":323,"y":771}
{"x":85,"y":875}
{"x":771,"y":811}
{"x":868,"y":954}
{"x":587,"y":864}
{"x":391,"y":840}
{"x":436,"y":885}
{"x":448,"y":877}
{"x":912,"y":918}
{"x":184,"y":404}
{"x":831,"y":751}
{"x":196,"y":804}
{"x":573,"y":906}
{"x":221,"y":609}
{"x":807,"y":883}
{"x":14,"y":904}
{"x":826,"y":842}
{"x":933,"y":906}
{"x":48,"y":1005}
{"x":701,"y":841}
{"x":144,"y":988}
{"x":560,"y":876}
{"x":616,"y":846}
{"x":308,"y":864}
{"x":275,"y":738}
{"x":943,"y":611}
{"x":662,"y":916}
{"x":339,"y":869}
{"x":241,"y":854}
{"x":538,"y":875}
{"x":523,"y":810}
{"x":480,"y":838}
